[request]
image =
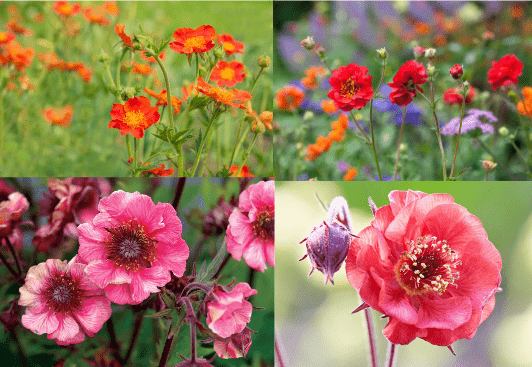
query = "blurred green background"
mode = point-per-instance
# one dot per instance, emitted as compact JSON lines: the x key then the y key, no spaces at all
{"x":314,"y":322}
{"x":33,"y":147}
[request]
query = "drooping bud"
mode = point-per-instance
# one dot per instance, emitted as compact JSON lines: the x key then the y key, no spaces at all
{"x":308,"y":43}
{"x":419,"y":52}
{"x":327,"y":247}
{"x":456,"y":71}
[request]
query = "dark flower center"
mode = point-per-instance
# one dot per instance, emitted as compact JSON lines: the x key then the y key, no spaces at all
{"x":349,"y":88}
{"x":264,"y":224}
{"x":129,"y":246}
{"x":63,"y":293}
{"x":428,"y":265}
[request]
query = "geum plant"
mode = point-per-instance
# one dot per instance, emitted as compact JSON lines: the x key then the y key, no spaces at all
{"x":131,"y":252}
{"x":425,"y":263}
{"x":211,"y":94}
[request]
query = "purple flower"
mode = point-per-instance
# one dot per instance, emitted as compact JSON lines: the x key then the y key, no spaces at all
{"x":387,"y":178}
{"x":413,"y":112}
{"x":342,"y":166}
{"x":471,"y":122}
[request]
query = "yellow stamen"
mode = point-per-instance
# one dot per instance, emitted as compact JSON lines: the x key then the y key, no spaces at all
{"x":195,"y":42}
{"x":227,"y":74}
{"x":135,"y":119}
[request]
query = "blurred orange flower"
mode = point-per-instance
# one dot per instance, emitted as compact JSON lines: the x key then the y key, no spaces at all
{"x":64,"y":9}
{"x":525,"y":106}
{"x":243,"y":173}
{"x":134,"y":116}
{"x":59,"y":116}
{"x":6,"y":37}
{"x":137,"y":68}
{"x":189,"y":41}
{"x":119,"y":30}
{"x":111,"y":8}
{"x":350,"y":174}
{"x":328,"y":106}
{"x":311,"y":81}
{"x":13,"y":53}
{"x":228,"y":74}
{"x":230,"y":45}
{"x":289,"y":98}
{"x":18,"y":28}
{"x":162,"y":99}
{"x":231,"y":97}
{"x":188,"y":90}
{"x":95,"y":15}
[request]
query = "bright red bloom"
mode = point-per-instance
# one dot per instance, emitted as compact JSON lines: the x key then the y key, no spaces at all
{"x":456,"y":71}
{"x":427,"y":264}
{"x":59,"y":116}
{"x":161,"y":171}
{"x":506,"y":71}
{"x":64,"y":9}
{"x":228,"y":74}
{"x":245,"y":172}
{"x":231,"y":97}
{"x":289,"y":98}
{"x":134,"y":116}
{"x":351,"y":87}
{"x":189,"y":41}
{"x":454,"y":96}
{"x":14,"y":53}
{"x":119,"y":30}
{"x":406,"y":82}
{"x":230,"y":45}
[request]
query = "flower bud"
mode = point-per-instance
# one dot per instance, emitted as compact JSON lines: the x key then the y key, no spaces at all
{"x":430,"y":53}
{"x":431,"y":70}
{"x":513,"y":96}
{"x":456,"y":71}
{"x":327,"y":247}
{"x":308,"y":43}
{"x":320,"y":50}
{"x":103,"y":56}
{"x":503,"y":131}
{"x":264,"y":61}
{"x":419,"y":52}
{"x":218,"y":51}
{"x":488,"y":166}
{"x":382,"y":53}
{"x":309,"y":115}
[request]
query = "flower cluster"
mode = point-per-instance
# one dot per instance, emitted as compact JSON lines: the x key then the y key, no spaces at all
{"x":323,"y":143}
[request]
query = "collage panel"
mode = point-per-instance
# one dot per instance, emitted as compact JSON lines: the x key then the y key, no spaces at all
{"x":400,"y":90}
{"x":111,"y":272}
{"x":438,"y":268}
{"x":136,"y":88}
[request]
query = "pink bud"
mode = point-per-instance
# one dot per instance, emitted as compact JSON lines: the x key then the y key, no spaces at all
{"x":308,"y":43}
{"x":456,"y":71}
{"x":419,"y":52}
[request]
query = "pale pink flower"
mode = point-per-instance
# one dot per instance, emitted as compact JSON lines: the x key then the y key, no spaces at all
{"x":62,"y":302}
{"x":10,"y":212}
{"x":131,"y":246}
{"x":251,"y":226}
{"x":230,"y":314}
{"x":236,"y":346}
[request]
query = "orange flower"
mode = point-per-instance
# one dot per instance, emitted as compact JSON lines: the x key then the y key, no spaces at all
{"x":162,"y":99}
{"x":341,"y":124}
{"x":422,"y":28}
{"x":84,"y":72}
{"x":262,"y":121}
{"x":6,"y":37}
{"x":161,"y":171}
{"x":95,"y":15}
{"x":189,"y":41}
{"x":38,"y":18}
{"x":516,"y":12}
{"x":17,"y":55}
{"x":230,"y":45}
{"x":323,"y":143}
{"x":328,"y":106}
{"x":526,"y":107}
{"x":139,"y":68}
{"x":231,"y":97}
{"x":289,"y":98}
{"x":64,"y":9}
{"x":151,"y":59}
{"x":228,"y":74}
{"x":59,"y":116}
{"x":266,"y":117}
{"x":336,"y":135}
{"x":111,"y":8}
{"x":134,"y":116}
{"x":313,"y":152}
{"x":311,"y":80}
{"x":350,"y":174}
{"x":119,"y":30}
{"x":18,"y":28}
{"x":243,"y":173}
{"x":188,"y":90}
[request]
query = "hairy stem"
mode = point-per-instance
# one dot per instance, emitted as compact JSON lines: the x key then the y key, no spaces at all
{"x":198,"y":153}
{"x":247,"y":153}
{"x":399,"y":144}
{"x":179,"y":192}
{"x":464,"y":92}
{"x":134,"y":336}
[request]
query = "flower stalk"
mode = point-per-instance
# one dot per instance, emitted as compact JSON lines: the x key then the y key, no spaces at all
{"x":464,"y":94}
{"x":399,"y":144}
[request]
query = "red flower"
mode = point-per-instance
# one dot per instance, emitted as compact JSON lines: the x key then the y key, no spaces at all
{"x":228,"y":74}
{"x":427,"y":264}
{"x":230,"y":45}
{"x":151,"y":59}
{"x":134,"y":116}
{"x":161,"y":171}
{"x":163,"y":101}
{"x":245,"y":172}
{"x":405,"y":83}
{"x":6,"y":37}
{"x":189,"y":41}
{"x":456,"y":71}
{"x":351,"y":87}
{"x":506,"y":71}
{"x":454,"y":96}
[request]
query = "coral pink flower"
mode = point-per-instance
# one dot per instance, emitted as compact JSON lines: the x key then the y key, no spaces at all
{"x":62,"y":302}
{"x":236,"y":346}
{"x":10,"y":212}
{"x":230,"y":314}
{"x":131,"y":246}
{"x":251,"y":226}
{"x":427,"y":264}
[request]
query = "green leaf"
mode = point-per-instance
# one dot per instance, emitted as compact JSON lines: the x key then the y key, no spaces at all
{"x":198,"y":102}
{"x":214,"y":265}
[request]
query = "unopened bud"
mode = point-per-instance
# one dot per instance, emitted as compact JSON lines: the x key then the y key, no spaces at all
{"x":309,"y":115}
{"x":103,"y":56}
{"x":403,"y":147}
{"x":264,"y":61}
{"x":503,"y":131}
{"x":513,"y":96}
{"x":218,"y":51}
{"x":430,"y":53}
{"x":382,"y":53}
{"x":320,"y":50}
{"x":431,"y":70}
{"x":128,"y":92}
{"x":511,"y":137}
{"x":488,"y":166}
{"x":419,"y":52}
{"x":456,"y":71}
{"x":308,"y":43}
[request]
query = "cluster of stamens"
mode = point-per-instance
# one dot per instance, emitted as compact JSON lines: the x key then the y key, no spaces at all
{"x":195,"y":42}
{"x":264,"y":224}
{"x":134,"y":119}
{"x":63,"y":293}
{"x":349,"y":88}
{"x":428,"y":265}
{"x":129,"y":246}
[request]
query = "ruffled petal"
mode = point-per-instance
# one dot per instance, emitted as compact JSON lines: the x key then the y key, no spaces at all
{"x":40,"y":323}
{"x":67,"y":329}
{"x":255,"y":255}
{"x":447,"y":313}
{"x":173,"y":256}
{"x":120,"y":294}
{"x":399,"y":333}
{"x":146,"y":280}
{"x":395,"y":302}
{"x":94,"y":313}
{"x":106,"y":272}
{"x":91,"y":242}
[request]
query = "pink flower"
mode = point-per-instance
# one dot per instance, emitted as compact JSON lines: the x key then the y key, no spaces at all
{"x":427,"y":264}
{"x":131,"y":246}
{"x":10,"y":212}
{"x":251,"y":226}
{"x":62,"y":302}
{"x":230,"y":314}
{"x":236,"y":346}
{"x":68,"y":203}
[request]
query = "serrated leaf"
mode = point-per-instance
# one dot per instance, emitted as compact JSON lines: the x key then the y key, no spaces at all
{"x":202,"y":271}
{"x":198,"y":141}
{"x":214,"y":265}
{"x":198,"y":102}
{"x":163,"y":313}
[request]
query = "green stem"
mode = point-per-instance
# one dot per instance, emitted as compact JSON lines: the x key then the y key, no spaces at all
{"x":399,"y":144}
{"x":436,"y":123}
{"x":490,"y":152}
{"x":360,"y":128}
{"x":520,"y":155}
{"x":247,"y":153}
{"x":459,"y":129}
{"x":198,"y":153}
{"x":168,"y":91}
{"x":135,"y":157}
{"x":373,"y":145}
